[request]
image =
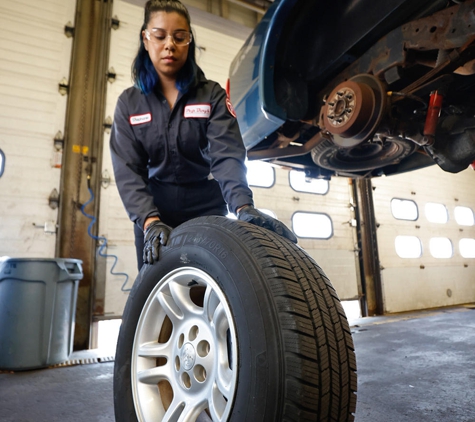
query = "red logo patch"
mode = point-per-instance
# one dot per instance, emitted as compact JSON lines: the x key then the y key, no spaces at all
{"x":230,"y":107}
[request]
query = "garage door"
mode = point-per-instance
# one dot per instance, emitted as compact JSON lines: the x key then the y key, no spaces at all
{"x":426,"y":238}
{"x":35,"y":56}
{"x":219,"y":40}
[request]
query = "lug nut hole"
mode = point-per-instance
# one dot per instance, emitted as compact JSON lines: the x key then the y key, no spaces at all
{"x":185,"y":378}
{"x":193,"y":333}
{"x":203,"y":348}
{"x":200,"y":373}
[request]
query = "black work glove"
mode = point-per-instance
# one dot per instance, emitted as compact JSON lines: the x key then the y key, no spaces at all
{"x":156,"y":234}
{"x":251,"y":215}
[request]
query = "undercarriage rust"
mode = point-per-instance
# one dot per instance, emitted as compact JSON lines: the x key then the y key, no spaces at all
{"x":366,"y":124}
{"x":450,"y":30}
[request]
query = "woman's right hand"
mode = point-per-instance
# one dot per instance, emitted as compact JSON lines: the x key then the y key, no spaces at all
{"x":155,"y":235}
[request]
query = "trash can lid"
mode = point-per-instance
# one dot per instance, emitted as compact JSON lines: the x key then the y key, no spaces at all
{"x":9,"y":258}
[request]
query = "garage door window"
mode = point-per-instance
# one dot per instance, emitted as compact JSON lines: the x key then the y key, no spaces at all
{"x":441,"y":247}
{"x":260,"y":174}
{"x":404,"y":209}
{"x":436,"y":213}
{"x":464,"y":216}
{"x":312,"y":225}
{"x":408,"y":246}
{"x":300,"y":183}
{"x":467,"y":248}
{"x":2,"y":162}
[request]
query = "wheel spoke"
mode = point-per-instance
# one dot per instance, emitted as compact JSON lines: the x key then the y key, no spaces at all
{"x":210,"y":303}
{"x":170,"y":307}
{"x":180,"y":411}
{"x":154,"y":375}
{"x":224,"y":378}
{"x":216,"y":405}
{"x":191,"y":412}
{"x":224,"y":374}
{"x":220,"y":322}
{"x":182,"y":299}
{"x":174,"y":410}
{"x":155,"y":350}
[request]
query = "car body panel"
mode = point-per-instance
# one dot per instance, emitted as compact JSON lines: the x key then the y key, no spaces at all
{"x":252,"y":75}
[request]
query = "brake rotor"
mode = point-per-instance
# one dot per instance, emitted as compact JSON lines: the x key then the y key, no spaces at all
{"x":353,"y":110}
{"x":363,"y":157}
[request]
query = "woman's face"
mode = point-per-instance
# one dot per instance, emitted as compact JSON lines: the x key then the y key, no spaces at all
{"x":167,"y":57}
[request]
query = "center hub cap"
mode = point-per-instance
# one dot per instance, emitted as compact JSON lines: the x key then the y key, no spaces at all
{"x":188,"y":356}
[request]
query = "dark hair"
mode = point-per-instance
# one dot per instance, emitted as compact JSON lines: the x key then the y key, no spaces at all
{"x":144,"y":75}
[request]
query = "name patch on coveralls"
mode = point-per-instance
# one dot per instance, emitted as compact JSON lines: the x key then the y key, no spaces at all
{"x":197,"y":111}
{"x":140,"y":119}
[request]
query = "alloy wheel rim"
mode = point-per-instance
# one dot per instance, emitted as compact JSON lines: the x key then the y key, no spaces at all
{"x":184,"y":357}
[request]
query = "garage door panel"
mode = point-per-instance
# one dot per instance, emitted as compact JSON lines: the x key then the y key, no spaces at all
{"x":34,"y":59}
{"x":46,"y":12}
{"x":340,"y":268}
{"x":418,"y":283}
{"x":407,"y":289}
{"x":21,"y":94}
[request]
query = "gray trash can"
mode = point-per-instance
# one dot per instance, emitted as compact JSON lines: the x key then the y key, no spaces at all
{"x":37,"y":311}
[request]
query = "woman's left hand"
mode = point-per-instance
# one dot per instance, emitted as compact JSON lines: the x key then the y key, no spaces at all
{"x":251,"y":215}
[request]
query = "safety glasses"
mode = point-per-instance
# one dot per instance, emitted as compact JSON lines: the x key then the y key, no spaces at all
{"x":159,"y":36}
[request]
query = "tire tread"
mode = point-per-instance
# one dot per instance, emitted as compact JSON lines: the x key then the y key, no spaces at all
{"x":319,"y":351}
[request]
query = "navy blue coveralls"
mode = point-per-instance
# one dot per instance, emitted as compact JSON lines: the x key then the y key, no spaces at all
{"x":178,"y":163}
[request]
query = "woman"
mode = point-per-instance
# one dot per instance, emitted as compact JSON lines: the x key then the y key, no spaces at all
{"x":176,"y":147}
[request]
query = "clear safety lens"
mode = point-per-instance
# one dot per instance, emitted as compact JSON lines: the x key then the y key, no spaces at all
{"x":159,"y":36}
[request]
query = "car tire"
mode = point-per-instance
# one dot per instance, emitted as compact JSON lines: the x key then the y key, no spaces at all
{"x":234,"y":323}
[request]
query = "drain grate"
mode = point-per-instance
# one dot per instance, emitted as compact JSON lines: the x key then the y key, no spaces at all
{"x":84,"y":361}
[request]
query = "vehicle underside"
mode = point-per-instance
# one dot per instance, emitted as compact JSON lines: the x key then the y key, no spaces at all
{"x":366,"y":96}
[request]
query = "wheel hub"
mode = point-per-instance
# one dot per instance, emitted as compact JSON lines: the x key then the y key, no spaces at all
{"x":188,"y":356}
{"x":341,"y":107}
{"x":353,"y":110}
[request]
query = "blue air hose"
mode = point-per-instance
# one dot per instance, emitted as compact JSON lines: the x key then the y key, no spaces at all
{"x":104,"y":242}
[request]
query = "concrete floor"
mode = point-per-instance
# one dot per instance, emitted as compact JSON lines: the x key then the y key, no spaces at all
{"x":413,"y":367}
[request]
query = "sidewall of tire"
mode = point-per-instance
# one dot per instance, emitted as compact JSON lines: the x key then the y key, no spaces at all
{"x":259,"y":391}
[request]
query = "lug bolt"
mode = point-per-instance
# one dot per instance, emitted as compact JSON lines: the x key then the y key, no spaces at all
{"x":331,"y":104}
{"x":331,"y":117}
{"x":349,"y":110}
{"x":349,"y":96}
{"x":340,"y":93}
